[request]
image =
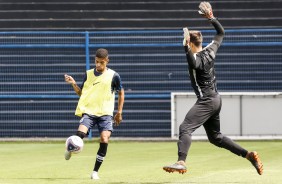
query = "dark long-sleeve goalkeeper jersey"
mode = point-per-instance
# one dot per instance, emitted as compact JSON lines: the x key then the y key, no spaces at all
{"x":201,"y":64}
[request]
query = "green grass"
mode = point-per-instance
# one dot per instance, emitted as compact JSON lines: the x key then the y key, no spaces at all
{"x":136,"y":162}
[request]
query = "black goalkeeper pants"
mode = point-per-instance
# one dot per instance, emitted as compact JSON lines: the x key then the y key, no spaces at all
{"x":205,"y":112}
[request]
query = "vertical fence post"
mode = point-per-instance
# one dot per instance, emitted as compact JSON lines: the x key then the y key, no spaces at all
{"x":87,"y":54}
{"x":87,"y":64}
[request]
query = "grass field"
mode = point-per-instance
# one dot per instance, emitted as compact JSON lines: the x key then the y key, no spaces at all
{"x":136,"y":162}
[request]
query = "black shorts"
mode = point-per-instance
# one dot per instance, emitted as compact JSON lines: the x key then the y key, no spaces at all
{"x":204,"y":112}
{"x":104,"y":123}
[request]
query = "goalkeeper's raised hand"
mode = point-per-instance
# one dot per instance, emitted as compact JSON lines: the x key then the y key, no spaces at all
{"x":186,"y":35}
{"x":206,"y":10}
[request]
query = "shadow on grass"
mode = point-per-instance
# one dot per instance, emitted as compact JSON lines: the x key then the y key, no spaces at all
{"x":54,"y":179}
{"x":169,"y":182}
{"x":40,"y":178}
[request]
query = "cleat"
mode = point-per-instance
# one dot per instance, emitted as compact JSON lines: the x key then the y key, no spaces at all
{"x":67,"y":155}
{"x":94,"y":175}
{"x":181,"y":169}
{"x":255,"y":160}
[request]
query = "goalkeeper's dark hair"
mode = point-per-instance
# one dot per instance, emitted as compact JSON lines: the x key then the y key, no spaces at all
{"x":102,"y":53}
{"x":196,"y":38}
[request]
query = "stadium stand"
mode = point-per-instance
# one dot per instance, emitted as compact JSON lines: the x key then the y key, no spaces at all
{"x":35,"y":101}
{"x":134,"y":14}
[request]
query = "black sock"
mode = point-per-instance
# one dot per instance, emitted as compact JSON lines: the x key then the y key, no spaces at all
{"x":80,"y":134}
{"x":100,"y":156}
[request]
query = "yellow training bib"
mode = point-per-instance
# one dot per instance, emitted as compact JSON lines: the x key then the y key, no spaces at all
{"x":97,"y":97}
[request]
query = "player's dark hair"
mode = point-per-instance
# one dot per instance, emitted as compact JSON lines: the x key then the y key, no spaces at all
{"x":196,"y":38}
{"x":102,"y":53}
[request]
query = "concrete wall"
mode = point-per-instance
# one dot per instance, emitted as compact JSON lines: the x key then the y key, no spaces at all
{"x":242,"y":114}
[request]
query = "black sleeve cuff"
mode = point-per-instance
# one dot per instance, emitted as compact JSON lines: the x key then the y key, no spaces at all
{"x":187,"y":48}
{"x":212,"y":19}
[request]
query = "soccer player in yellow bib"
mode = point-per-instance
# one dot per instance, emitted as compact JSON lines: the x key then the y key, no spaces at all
{"x":96,"y":104}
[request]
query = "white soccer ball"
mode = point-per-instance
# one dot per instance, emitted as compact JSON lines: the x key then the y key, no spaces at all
{"x":74,"y":144}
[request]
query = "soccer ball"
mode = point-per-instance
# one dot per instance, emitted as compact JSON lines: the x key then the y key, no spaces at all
{"x":74,"y":144}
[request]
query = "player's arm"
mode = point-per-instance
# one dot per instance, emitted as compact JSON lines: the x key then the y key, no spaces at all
{"x":118,"y":116}
{"x":206,"y":11}
{"x":71,"y":81}
{"x":191,"y":60}
{"x":219,"y":30}
{"x":117,"y":86}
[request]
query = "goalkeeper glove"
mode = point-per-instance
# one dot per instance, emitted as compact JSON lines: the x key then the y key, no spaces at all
{"x":206,"y":10}
{"x":186,"y":35}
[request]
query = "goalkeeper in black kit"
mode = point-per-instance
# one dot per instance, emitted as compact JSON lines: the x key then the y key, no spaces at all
{"x":206,"y":110}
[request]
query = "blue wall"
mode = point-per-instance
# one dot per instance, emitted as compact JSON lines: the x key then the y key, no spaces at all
{"x":36,"y":102}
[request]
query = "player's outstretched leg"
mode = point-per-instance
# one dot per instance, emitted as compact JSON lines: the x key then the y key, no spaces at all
{"x":253,"y":157}
{"x":178,"y":167}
